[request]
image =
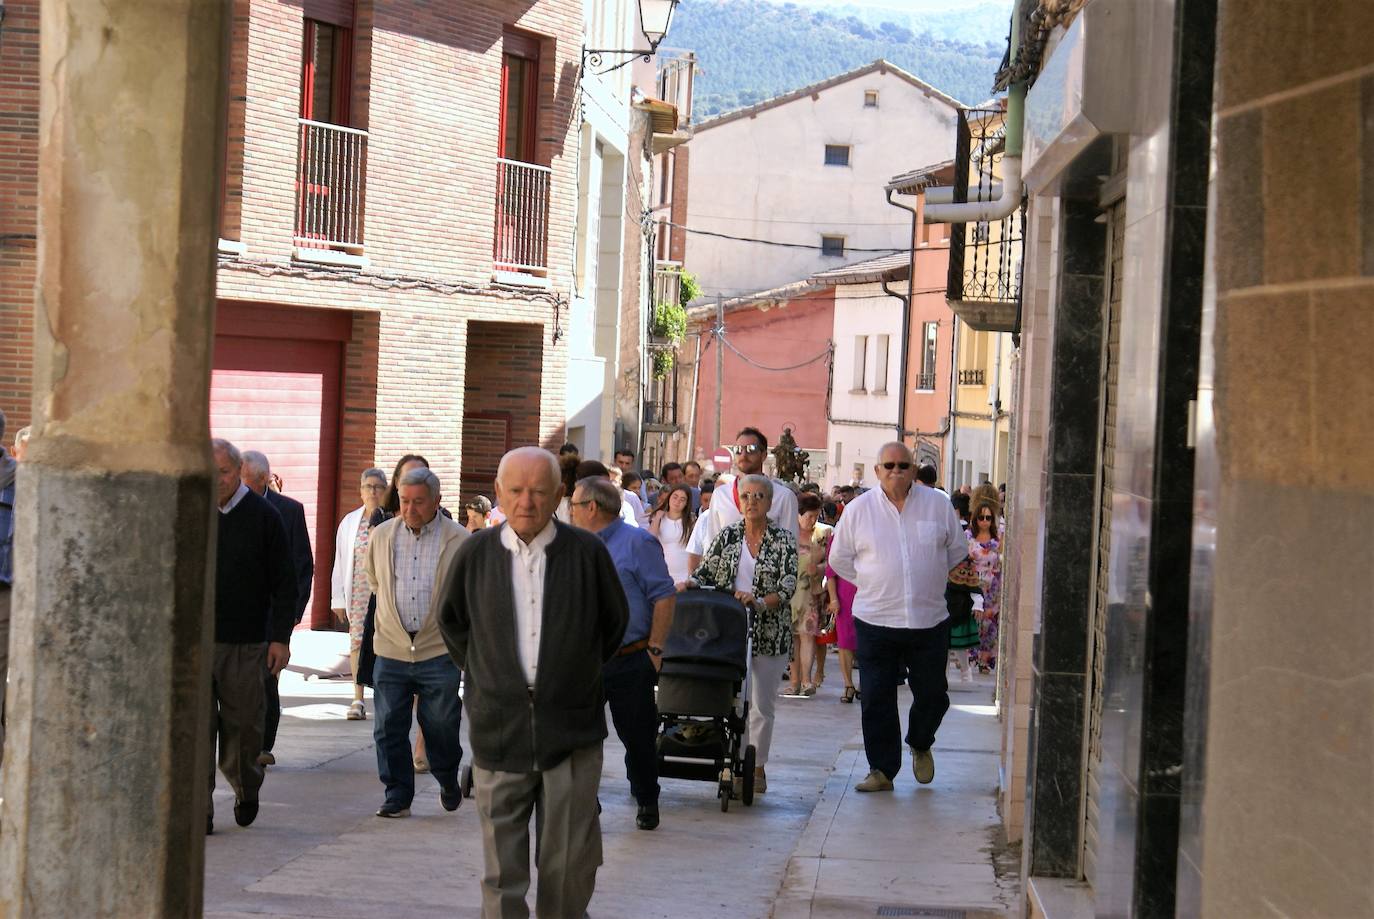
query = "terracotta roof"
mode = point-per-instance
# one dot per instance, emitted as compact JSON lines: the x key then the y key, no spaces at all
{"x":794,"y":95}
{"x":884,"y":268}
{"x":909,"y":183}
{"x":769,"y":297}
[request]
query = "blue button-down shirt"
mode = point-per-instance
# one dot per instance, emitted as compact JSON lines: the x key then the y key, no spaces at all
{"x":643,"y":573}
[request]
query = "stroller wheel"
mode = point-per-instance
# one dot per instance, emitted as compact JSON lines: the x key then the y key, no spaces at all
{"x":747,"y":790}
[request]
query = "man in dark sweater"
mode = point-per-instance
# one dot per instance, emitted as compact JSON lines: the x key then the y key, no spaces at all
{"x":255,"y":599}
{"x":531,"y":611}
{"x":256,"y":473}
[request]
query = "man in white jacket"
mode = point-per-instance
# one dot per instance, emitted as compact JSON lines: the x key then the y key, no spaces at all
{"x":349,"y":593}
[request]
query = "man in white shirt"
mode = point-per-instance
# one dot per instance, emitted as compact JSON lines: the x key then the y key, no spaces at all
{"x":897,"y":544}
{"x":751,"y":449}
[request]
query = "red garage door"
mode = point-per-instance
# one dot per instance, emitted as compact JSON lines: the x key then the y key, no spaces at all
{"x":281,"y":396}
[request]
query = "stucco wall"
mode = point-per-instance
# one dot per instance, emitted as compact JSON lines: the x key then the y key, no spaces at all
{"x":765,"y":177}
{"x":863,"y":310}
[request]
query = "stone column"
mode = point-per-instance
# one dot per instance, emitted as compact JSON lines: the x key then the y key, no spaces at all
{"x":103,"y":808}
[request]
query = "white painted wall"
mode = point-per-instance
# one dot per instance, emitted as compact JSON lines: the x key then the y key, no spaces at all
{"x":765,"y":177}
{"x":863,"y":310}
{"x":604,"y":141}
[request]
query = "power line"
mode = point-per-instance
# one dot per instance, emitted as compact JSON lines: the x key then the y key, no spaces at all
{"x":890,"y":250}
{"x":749,"y":360}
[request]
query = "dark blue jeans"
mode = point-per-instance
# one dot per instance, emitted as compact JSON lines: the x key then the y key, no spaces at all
{"x":440,"y":713}
{"x":882,"y":653}
{"x":629,"y":686}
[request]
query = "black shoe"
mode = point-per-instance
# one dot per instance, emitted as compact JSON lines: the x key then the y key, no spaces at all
{"x":647,"y":818}
{"x":209,"y":826}
{"x":450,"y":797}
{"x":393,"y":810}
{"x":245,"y":812}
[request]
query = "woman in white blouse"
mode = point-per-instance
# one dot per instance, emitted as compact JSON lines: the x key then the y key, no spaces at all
{"x":672,"y":523}
{"x":349,"y":591}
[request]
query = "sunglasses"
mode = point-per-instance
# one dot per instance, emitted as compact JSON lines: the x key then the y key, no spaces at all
{"x":891,"y":466}
{"x":984,"y":516}
{"x":746,"y":448}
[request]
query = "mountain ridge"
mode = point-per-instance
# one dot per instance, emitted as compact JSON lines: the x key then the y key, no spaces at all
{"x":754,"y":50}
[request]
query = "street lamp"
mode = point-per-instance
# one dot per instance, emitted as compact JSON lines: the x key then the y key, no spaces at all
{"x":654,"y":18}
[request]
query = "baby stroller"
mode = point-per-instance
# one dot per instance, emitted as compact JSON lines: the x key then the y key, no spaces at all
{"x":703,"y":695}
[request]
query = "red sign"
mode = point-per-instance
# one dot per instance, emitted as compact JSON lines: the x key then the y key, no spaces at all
{"x":721,"y":460}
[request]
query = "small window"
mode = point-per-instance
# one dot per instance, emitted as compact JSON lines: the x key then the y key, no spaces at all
{"x":870,"y":98}
{"x":832,"y":246}
{"x":880,"y":364}
{"x":928,"y":353}
{"x":860,"y":362}
{"x":836,"y":155}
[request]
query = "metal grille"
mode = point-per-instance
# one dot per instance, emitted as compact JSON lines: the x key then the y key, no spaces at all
{"x":522,"y":216}
{"x":984,"y":258}
{"x":1111,"y":359}
{"x":972,"y":377}
{"x":924,"y":912}
{"x":330,"y":172}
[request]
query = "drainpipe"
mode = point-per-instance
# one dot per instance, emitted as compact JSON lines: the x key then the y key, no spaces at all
{"x":1010,"y":198}
{"x":906,"y":314}
{"x":953,"y":403}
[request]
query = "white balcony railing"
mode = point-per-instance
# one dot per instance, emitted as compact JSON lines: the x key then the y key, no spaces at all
{"x":522,"y":217}
{"x":330,"y":181}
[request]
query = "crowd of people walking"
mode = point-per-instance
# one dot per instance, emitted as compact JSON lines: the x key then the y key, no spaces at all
{"x":534,"y":612}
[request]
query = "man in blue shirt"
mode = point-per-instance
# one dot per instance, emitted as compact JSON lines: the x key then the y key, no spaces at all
{"x":629,"y":677}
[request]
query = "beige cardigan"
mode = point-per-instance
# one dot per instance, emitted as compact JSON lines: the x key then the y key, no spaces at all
{"x":389,"y":638}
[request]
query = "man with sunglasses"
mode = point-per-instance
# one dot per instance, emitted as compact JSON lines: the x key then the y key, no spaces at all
{"x":750,"y":450}
{"x":897,"y":544}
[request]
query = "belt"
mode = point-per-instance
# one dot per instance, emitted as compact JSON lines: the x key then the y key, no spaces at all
{"x":632,"y":647}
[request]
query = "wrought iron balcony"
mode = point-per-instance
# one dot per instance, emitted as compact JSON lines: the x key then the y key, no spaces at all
{"x":984,"y":285}
{"x":972,"y":377}
{"x":660,"y":416}
{"x":331,"y":169}
{"x":521,"y":241}
{"x":925,"y":382}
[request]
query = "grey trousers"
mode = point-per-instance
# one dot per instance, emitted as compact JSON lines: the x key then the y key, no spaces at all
{"x":237,"y":709}
{"x":568,"y":842}
{"x":4,"y":659}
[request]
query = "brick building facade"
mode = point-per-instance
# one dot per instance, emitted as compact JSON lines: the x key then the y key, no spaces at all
{"x":394,"y":267}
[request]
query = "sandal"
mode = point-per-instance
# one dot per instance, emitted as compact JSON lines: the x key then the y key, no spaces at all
{"x":356,"y":712}
{"x":849,"y":694}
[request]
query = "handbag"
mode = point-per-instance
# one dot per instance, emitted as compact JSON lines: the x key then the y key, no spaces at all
{"x":826,"y":635}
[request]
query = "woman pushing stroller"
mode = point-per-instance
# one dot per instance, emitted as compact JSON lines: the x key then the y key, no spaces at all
{"x":758,"y":563}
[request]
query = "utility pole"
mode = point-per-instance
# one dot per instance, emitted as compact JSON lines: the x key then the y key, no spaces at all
{"x":720,"y":364}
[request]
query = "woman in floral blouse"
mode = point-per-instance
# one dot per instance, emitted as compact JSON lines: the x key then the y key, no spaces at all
{"x":758,"y":562}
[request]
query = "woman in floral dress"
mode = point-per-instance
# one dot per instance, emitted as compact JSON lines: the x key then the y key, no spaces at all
{"x":757,"y":561}
{"x":349,"y":592}
{"x":985,"y":550}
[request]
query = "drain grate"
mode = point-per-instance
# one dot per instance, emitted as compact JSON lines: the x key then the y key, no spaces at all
{"x":923,"y":912}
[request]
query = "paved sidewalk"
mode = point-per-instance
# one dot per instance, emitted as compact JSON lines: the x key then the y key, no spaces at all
{"x":807,"y":846}
{"x":915,"y":851}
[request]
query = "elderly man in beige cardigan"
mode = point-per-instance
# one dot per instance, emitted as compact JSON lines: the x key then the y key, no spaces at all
{"x":407,"y":559}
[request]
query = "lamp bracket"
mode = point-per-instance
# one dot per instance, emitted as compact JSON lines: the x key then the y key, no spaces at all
{"x":594,"y":57}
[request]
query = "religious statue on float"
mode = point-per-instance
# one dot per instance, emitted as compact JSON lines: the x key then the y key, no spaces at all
{"x":790,"y":460}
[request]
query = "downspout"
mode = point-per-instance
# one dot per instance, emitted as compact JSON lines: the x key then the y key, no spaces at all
{"x":906,"y":315}
{"x":1010,"y":198}
{"x":953,"y":403}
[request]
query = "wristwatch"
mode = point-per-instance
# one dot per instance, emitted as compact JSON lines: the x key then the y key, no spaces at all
{"x":655,"y":651}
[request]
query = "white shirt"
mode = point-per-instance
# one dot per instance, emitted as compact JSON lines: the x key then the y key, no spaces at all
{"x":234,"y":501}
{"x":697,"y":543}
{"x":674,"y":552}
{"x":744,"y":574}
{"x":641,"y":515}
{"x":527,"y":584}
{"x":724,"y":511}
{"x":899,"y":562}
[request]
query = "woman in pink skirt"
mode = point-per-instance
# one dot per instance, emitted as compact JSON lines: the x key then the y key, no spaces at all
{"x":840,"y":604}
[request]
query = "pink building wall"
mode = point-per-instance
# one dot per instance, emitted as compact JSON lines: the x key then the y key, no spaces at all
{"x":781,"y":335}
